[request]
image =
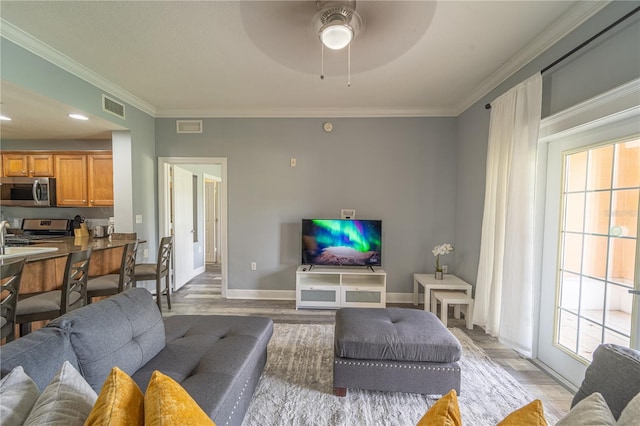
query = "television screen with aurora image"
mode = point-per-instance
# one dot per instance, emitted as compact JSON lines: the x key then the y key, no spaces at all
{"x":341,"y":242}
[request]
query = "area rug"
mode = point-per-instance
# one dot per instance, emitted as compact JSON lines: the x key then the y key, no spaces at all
{"x":296,"y":387}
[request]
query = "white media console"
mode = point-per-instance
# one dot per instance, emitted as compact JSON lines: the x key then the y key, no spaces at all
{"x":333,"y":288}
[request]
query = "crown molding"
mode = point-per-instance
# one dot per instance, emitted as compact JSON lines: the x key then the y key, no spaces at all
{"x":561,"y":27}
{"x":306,"y":113}
{"x":614,"y":105}
{"x":48,"y":53}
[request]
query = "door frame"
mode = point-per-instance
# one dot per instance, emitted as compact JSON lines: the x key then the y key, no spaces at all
{"x":617,"y":108}
{"x":164,"y":208}
{"x":216,"y":214}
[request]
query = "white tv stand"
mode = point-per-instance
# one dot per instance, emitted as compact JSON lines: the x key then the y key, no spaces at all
{"x":332,"y":288}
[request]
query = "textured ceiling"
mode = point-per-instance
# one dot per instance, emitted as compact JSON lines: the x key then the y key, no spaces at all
{"x":247,"y":59}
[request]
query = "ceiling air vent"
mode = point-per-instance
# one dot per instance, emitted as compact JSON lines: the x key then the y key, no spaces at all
{"x":113,"y":107}
{"x":189,"y":126}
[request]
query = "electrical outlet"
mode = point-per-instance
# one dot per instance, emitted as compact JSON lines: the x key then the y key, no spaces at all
{"x":444,"y":269}
{"x":145,"y":253}
{"x":138,"y":218}
{"x":254,"y":266}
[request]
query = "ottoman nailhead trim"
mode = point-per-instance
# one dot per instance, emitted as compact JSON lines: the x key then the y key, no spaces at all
{"x":413,"y":367}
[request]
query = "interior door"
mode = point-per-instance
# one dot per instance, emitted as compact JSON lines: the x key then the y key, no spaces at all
{"x":209,"y":222}
{"x":590,"y":265}
{"x":183,"y":226}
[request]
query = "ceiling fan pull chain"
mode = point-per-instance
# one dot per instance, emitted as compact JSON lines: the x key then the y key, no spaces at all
{"x":322,"y":62}
{"x":349,"y":65}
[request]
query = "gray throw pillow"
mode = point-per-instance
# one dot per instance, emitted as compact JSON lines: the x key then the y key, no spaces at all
{"x":18,"y":394}
{"x":67,"y":401}
{"x":591,"y":411}
{"x":631,"y":414}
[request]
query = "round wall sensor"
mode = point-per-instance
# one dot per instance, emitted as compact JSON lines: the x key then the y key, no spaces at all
{"x":327,"y":126}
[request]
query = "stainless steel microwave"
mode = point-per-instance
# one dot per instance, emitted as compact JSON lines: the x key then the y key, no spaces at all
{"x":28,"y":191}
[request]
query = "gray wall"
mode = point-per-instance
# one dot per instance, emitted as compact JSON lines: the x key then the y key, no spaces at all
{"x":603,"y":65}
{"x":424,"y":177}
{"x":29,"y":71}
{"x":399,"y":170}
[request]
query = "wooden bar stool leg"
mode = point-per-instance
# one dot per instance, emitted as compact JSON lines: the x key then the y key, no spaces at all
{"x":168,"y":292}
{"x":159,"y":294}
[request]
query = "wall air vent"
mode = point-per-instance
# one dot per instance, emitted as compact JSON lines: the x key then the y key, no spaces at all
{"x":189,"y":126}
{"x":113,"y":107}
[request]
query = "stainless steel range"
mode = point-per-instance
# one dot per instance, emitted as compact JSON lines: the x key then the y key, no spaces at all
{"x":35,"y":230}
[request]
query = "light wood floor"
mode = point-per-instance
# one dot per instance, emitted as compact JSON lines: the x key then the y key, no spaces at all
{"x":202,"y":295}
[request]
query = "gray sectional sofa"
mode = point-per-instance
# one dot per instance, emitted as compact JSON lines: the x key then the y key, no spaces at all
{"x":217,"y":359}
{"x":614,"y":373}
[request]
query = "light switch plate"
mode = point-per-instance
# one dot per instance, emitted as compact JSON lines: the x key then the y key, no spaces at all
{"x":138,"y":218}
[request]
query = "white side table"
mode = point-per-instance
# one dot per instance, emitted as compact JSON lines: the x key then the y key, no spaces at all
{"x":429,"y":282}
{"x":461,"y":302}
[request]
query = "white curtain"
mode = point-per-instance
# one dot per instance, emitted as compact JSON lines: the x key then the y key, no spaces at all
{"x":504,"y":286}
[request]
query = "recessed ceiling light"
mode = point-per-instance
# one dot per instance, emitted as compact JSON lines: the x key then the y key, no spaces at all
{"x":78,"y":117}
{"x":4,"y":118}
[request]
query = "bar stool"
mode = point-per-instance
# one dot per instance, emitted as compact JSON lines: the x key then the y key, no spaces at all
{"x":157,"y":271}
{"x":52,"y":304}
{"x":11,"y":274}
{"x":110,"y":284}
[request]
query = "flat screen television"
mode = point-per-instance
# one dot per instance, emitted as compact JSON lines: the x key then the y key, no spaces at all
{"x":341,"y":242}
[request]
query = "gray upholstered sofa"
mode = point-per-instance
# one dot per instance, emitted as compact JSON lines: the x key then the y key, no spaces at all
{"x":615,"y":373}
{"x":217,"y":359}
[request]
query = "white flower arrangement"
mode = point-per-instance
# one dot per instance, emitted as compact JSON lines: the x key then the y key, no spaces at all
{"x":441,"y":249}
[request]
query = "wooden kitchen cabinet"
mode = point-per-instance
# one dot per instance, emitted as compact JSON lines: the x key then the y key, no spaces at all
{"x":100,"y":182}
{"x":71,"y":180}
{"x":83,"y":178}
{"x":22,"y":164}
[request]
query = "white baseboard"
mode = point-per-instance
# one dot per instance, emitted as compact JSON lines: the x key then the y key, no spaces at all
{"x":262,"y":294}
{"x":402,"y":298}
{"x":291,"y":295}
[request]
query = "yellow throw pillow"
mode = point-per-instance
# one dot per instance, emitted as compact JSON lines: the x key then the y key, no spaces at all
{"x":531,"y":414}
{"x":445,"y":412}
{"x":166,"y":403}
{"x":120,"y":403}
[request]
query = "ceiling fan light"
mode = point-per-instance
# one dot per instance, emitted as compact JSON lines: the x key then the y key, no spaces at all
{"x":336,"y":35}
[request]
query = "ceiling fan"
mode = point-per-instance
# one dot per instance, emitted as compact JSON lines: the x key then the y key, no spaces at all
{"x":293,"y":33}
{"x":339,"y":25}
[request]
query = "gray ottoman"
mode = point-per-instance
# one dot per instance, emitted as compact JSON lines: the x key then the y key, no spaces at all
{"x":394,"y":349}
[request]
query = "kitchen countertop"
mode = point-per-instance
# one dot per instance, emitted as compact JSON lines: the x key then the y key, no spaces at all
{"x":66,"y":245}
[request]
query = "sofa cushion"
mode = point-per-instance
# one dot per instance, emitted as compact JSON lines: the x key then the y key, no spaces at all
{"x":166,"y":403}
{"x":591,"y":410}
{"x":28,"y":352}
{"x":18,"y":393}
{"x":615,"y":373}
{"x":125,"y":330}
{"x":120,"y":402}
{"x":206,"y":349}
{"x":631,"y":413}
{"x":394,"y":334}
{"x":67,"y":400}
{"x":531,"y":414}
{"x":445,"y":412}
